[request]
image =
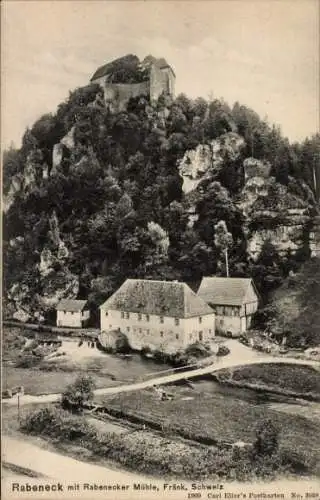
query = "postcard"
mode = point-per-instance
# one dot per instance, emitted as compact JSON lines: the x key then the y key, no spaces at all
{"x":161,"y":250}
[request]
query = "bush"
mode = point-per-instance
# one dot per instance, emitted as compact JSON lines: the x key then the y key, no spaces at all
{"x":297,"y":461}
{"x":198,"y":350}
{"x":78,"y":393}
{"x":266,"y":438}
{"x":56,"y":423}
{"x":223,"y":350}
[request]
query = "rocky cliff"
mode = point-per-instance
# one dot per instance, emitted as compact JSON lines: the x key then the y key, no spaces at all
{"x":272,"y":212}
{"x":94,"y":197}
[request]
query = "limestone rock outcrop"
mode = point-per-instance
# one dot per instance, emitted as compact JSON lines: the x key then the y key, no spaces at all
{"x":206,"y":160}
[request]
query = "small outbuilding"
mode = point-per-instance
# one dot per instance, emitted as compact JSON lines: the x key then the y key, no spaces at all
{"x":72,"y":313}
{"x":234,"y":301}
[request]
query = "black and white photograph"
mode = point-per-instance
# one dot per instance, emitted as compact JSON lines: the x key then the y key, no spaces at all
{"x":160,"y":249}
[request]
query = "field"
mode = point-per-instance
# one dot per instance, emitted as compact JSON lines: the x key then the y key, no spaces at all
{"x":37,"y":382}
{"x":215,"y":417}
{"x":53,"y":375}
{"x":298,"y":379}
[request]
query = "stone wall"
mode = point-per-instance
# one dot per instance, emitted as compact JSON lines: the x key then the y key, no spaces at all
{"x":117,"y":95}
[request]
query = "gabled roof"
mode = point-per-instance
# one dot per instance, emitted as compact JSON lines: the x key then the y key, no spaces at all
{"x":162,"y":298}
{"x":225,"y":291}
{"x":71,"y":305}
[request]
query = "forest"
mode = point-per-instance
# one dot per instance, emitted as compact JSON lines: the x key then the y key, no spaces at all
{"x":112,"y":206}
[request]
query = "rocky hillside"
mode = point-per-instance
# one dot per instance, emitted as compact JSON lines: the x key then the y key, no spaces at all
{"x":293,"y":310}
{"x":93,"y":197}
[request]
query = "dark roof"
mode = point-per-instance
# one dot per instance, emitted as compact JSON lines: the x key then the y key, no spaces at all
{"x":163,"y":298}
{"x":124,"y":61}
{"x":129,"y":61}
{"x":71,"y":305}
{"x":224,"y":291}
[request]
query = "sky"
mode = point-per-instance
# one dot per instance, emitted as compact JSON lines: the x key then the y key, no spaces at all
{"x":264,"y":54}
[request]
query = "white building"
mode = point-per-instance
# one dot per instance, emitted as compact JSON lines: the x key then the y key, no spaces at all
{"x":72,"y":313}
{"x":161,"y":315}
{"x":234,"y":301}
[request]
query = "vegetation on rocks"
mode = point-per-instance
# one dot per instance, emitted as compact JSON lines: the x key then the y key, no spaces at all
{"x":111,"y":204}
{"x":293,"y":312}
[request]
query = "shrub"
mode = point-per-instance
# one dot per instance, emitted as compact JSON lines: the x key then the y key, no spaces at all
{"x":266,"y":438}
{"x":57,"y":423}
{"x":223,"y":350}
{"x":297,"y":461}
{"x":78,"y":393}
{"x":198,"y":350}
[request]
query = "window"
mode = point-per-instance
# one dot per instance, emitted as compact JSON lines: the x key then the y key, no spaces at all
{"x":139,"y":316}
{"x":106,"y":313}
{"x":161,"y":319}
{"x":201,"y":336}
{"x":140,"y":330}
{"x":200,"y":319}
{"x":64,"y":312}
{"x":177,"y":335}
{"x":209,"y":330}
{"x":127,"y":315}
{"x":122,"y":314}
{"x":147,"y":317}
{"x":110,"y":326}
{"x":161,"y":334}
{"x":128,"y":328}
{"x":190,"y":336}
{"x":72,"y":312}
{"x":176,"y":321}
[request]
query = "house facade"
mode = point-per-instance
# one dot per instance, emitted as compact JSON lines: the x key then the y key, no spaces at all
{"x":72,"y":313}
{"x":160,"y":315}
{"x":234,"y":301}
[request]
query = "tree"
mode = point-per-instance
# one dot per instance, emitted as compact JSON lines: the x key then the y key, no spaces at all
{"x":78,"y":393}
{"x":267,"y":438}
{"x":223,"y":240}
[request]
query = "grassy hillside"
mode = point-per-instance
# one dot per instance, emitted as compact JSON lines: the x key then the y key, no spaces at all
{"x":294,"y":308}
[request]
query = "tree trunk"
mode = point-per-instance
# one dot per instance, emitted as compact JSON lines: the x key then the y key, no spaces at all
{"x":227,"y":263}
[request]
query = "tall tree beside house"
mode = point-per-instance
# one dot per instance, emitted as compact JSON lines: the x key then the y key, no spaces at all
{"x":223,"y":240}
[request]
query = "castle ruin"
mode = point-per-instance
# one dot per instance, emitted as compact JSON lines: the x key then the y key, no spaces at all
{"x":127,"y":77}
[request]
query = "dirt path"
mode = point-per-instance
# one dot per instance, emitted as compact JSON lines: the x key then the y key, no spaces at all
{"x":56,"y":466}
{"x":68,"y":471}
{"x":239,"y":356}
